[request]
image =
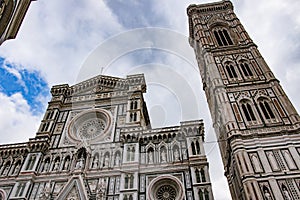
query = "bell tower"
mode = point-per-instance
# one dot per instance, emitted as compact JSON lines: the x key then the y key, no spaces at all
{"x":256,"y":124}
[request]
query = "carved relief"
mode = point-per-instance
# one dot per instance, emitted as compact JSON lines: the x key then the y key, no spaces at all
{"x":256,"y":162}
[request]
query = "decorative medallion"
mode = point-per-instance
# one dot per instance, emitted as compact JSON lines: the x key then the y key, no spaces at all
{"x":90,"y":126}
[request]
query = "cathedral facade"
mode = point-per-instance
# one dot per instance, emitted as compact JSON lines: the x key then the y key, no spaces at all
{"x":96,"y":142}
{"x":257,"y":127}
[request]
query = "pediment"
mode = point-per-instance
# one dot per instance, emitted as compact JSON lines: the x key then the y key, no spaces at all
{"x":74,"y":189}
{"x":98,"y":84}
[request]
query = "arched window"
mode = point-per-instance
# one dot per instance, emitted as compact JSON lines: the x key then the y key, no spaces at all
{"x":131,"y":181}
{"x":200,"y":193}
{"x":132,"y":154}
{"x":130,"y":197}
{"x":31,"y":162}
{"x":135,"y":105}
{"x":131,"y":117}
{"x":126,"y":182}
{"x":197,"y":173}
{"x":246,"y":69}
{"x":198,"y":147}
{"x":231,"y":71}
{"x":203,"y":179}
{"x":131,"y":105}
{"x":134,"y":116}
{"x":206,"y":194}
{"x":193,"y":148}
{"x":266,"y":109}
{"x":223,"y":38}
{"x":125,"y":197}
{"x":249,"y":114}
{"x":128,"y":153}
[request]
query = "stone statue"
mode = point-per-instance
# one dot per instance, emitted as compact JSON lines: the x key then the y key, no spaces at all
{"x":95,"y":162}
{"x":79,"y":163}
{"x":176,"y":155}
{"x":66,"y":165}
{"x":117,"y":160}
{"x":150,"y":156}
{"x":286,"y":194}
{"x":106,"y":161}
{"x":56,"y":166}
{"x":163,"y":156}
{"x":267,"y":195}
{"x":17,"y":168}
{"x":46,"y":166}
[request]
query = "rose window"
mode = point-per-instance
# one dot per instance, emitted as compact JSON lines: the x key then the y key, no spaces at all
{"x":166,"y":192}
{"x":90,"y":126}
{"x":165,"y":187}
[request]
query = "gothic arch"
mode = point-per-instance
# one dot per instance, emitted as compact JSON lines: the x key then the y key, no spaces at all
{"x":117,"y":158}
{"x":245,"y":67}
{"x":67,"y":162}
{"x":95,"y":160}
{"x":231,"y":70}
{"x":150,"y":154}
{"x":106,"y":159}
{"x":248,"y":110}
{"x":56,"y":163}
{"x":163,"y":153}
{"x":266,"y":108}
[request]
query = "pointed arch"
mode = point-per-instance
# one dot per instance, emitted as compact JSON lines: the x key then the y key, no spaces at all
{"x":265,"y":107}
{"x":247,"y":110}
{"x":203,"y":177}
{"x":200,"y":194}
{"x":197,"y":173}
{"x":206,"y":194}
{"x":222,"y":36}
{"x":198,"y":147}
{"x":193,"y":148}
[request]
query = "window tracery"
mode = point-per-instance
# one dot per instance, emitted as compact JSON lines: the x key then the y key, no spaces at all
{"x":128,"y":181}
{"x":246,"y":69}
{"x":248,"y":111}
{"x":266,"y":109}
{"x":222,"y":37}
{"x":231,"y":71}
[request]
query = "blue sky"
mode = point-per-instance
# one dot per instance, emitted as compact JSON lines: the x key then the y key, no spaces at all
{"x":58,"y":39}
{"x":30,"y":84}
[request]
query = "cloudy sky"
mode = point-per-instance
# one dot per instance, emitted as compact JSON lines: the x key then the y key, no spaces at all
{"x":71,"y":40}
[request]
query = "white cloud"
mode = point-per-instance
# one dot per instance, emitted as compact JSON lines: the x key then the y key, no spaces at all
{"x":56,"y":36}
{"x":16,"y":121}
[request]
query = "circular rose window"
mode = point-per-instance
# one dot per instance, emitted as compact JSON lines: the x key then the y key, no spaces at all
{"x":91,"y":125}
{"x":165,"y":187}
